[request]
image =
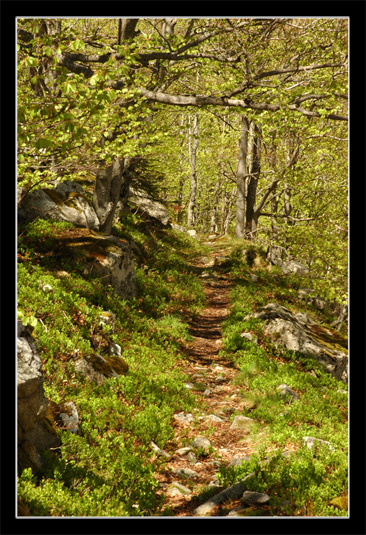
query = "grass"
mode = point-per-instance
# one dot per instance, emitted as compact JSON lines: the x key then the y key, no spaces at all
{"x":109,"y":469}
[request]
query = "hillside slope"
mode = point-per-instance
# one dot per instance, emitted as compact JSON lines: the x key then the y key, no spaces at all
{"x":200,"y":407}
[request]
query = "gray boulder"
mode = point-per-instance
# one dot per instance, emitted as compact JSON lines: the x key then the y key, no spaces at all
{"x":145,"y":203}
{"x":297,"y":332}
{"x":35,"y":435}
{"x":106,"y":257}
{"x":254,"y":498}
{"x":66,"y":202}
{"x":277,"y":256}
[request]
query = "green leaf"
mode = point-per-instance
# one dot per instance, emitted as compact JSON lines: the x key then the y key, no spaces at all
{"x":44,"y":143}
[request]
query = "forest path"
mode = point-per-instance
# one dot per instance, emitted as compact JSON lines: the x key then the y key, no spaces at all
{"x":212,"y":381}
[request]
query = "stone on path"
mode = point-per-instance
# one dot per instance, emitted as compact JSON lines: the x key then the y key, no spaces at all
{"x":232,"y":493}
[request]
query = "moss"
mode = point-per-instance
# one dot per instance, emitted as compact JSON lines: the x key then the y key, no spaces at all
{"x":109,"y":366}
{"x":334,"y":340}
{"x":56,"y":197}
{"x":341,"y":502}
{"x":253,"y":511}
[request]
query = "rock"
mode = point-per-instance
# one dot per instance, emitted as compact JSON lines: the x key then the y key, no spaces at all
{"x":341,"y":502}
{"x":249,"y":511}
{"x":115,"y":350}
{"x":160,"y":452}
{"x":254,"y":498}
{"x":70,"y":417}
{"x":208,"y":261}
{"x":275,"y":255}
{"x":186,"y":473}
{"x":237,"y":461}
{"x":311,"y":443}
{"x":286,"y":391}
{"x":192,"y":233}
{"x":294,"y":266}
{"x":178,"y":228}
{"x":107,"y":318}
{"x":249,"y":336}
{"x":278,"y":256}
{"x":214,"y":418}
{"x":35,"y":435}
{"x":232,"y":493}
{"x":201,"y":443}
{"x":176,"y":489}
{"x":146,"y":204}
{"x":106,"y":257}
{"x":184,"y":451}
{"x":197,"y":387}
{"x":186,"y":418}
{"x":243,"y":423}
{"x":66,"y":202}
{"x":96,"y":368}
{"x":299,"y":333}
{"x":47,"y":288}
{"x":222,"y":261}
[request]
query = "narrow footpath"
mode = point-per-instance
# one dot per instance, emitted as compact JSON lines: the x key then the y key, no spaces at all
{"x":190,"y":473}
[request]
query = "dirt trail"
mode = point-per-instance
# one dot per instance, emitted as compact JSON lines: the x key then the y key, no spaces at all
{"x":211,"y":380}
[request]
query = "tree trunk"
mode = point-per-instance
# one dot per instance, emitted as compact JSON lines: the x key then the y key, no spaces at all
{"x":127,"y":29}
{"x":193,"y":141}
{"x":254,"y":171}
{"x":108,"y":185}
{"x":241,"y":175}
{"x":215,"y":212}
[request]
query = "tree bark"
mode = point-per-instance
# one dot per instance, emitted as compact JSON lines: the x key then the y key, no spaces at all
{"x":108,"y":185}
{"x":241,"y":175}
{"x":193,"y":156}
{"x":252,"y":215}
{"x":128,"y":29}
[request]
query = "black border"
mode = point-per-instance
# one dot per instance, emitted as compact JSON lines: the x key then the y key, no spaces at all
{"x":356,"y":523}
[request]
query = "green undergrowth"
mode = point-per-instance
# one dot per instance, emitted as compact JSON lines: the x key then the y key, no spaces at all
{"x":108,"y":469}
{"x":302,"y":484}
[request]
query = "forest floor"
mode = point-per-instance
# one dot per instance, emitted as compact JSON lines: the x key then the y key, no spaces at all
{"x":212,"y":381}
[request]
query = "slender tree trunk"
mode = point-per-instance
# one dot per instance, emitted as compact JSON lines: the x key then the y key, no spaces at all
{"x":182,"y":178}
{"x":215,"y":212}
{"x":254,"y":171}
{"x":193,"y":143}
{"x":241,"y":176}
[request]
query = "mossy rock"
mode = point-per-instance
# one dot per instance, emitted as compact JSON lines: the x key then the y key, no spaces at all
{"x":253,"y":511}
{"x":96,"y":368}
{"x":331,"y":338}
{"x":341,"y":502}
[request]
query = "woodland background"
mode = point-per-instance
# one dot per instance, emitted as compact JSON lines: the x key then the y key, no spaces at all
{"x":240,"y":125}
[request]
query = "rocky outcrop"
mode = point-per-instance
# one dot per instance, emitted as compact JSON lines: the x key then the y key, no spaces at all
{"x":277,"y":256}
{"x":66,"y":202}
{"x":96,"y":368}
{"x":297,"y":332}
{"x":35,"y":434}
{"x":110,"y":259}
{"x":146,"y":204}
{"x":106,"y":257}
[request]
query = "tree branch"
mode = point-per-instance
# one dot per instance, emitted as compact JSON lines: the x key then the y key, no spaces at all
{"x":200,"y":100}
